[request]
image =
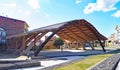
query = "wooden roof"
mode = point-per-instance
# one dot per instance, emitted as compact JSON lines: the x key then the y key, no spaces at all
{"x":75,"y":29}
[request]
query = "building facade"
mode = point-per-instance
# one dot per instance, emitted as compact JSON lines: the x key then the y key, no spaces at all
{"x":114,"y":39}
{"x":13,"y":26}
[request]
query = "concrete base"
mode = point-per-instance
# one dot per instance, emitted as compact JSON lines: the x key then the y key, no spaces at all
{"x":16,"y":65}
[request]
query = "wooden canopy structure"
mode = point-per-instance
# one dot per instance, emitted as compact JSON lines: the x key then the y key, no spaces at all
{"x":73,"y":31}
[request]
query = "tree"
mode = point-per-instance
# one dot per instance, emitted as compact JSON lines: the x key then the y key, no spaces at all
{"x":58,"y":43}
{"x":96,"y":43}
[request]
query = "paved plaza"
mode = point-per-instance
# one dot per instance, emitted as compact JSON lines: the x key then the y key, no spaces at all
{"x":49,"y":58}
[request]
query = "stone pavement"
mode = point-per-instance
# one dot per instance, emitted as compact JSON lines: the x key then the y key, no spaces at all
{"x":109,"y":63}
{"x":55,"y":58}
{"x":50,"y":64}
{"x":67,"y":52}
{"x":51,"y":58}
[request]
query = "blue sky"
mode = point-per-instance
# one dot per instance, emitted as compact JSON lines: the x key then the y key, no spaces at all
{"x":103,"y":14}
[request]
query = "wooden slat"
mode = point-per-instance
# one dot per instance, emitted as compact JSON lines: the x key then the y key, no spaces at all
{"x":36,"y":38}
{"x":78,"y":38}
{"x":68,"y":36}
{"x":45,"y":42}
{"x":70,"y":39}
{"x":40,"y":36}
{"x":84,"y":34}
{"x":30,"y":37}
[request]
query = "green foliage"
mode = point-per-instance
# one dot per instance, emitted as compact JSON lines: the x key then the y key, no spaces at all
{"x":96,"y":41}
{"x":58,"y":42}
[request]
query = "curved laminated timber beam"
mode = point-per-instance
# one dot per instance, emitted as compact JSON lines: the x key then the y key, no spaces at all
{"x":72,"y":31}
{"x":33,"y":43}
{"x":45,"y":42}
{"x":98,"y":36}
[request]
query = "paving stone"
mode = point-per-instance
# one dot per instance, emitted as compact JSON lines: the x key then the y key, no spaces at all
{"x":108,"y":64}
{"x":16,"y":65}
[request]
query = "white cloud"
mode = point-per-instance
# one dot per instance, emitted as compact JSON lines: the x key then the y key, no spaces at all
{"x":47,"y":15}
{"x":27,"y":13}
{"x":117,"y":14}
{"x":78,"y":1}
{"x":9,"y":5}
{"x":34,"y":4}
{"x":24,"y":12}
{"x":100,"y":5}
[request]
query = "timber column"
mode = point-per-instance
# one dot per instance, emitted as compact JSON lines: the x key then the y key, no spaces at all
{"x":83,"y":45}
{"x":92,"y":45}
{"x":23,"y":45}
